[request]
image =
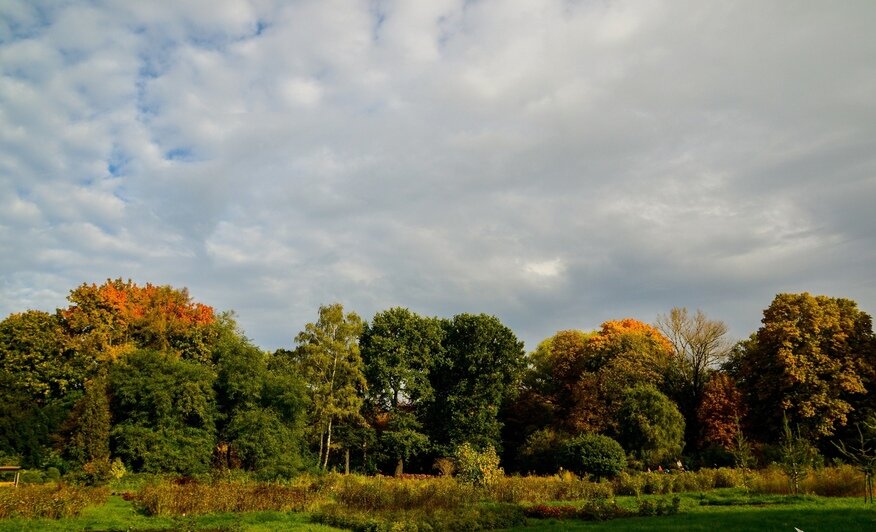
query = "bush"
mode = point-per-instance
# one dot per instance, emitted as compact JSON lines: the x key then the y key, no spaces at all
{"x":480,"y":468}
{"x":52,"y":501}
{"x":595,"y":455}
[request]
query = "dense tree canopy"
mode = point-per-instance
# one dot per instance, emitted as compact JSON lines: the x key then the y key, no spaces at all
{"x":480,"y":365}
{"x":651,"y":427}
{"x":146,"y":375}
{"x":399,"y":349}
{"x":812,"y":360}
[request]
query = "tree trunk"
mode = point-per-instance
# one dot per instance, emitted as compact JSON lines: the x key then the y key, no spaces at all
{"x":328,"y":445}
{"x":321,"y":437}
{"x":347,"y":463}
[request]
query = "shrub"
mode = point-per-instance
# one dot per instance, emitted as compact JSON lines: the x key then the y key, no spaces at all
{"x":727,"y":477}
{"x":543,"y":511}
{"x":446,"y":467}
{"x":480,"y":468}
{"x":627,"y":484}
{"x":651,"y":507}
{"x":53,"y":501}
{"x":595,"y":455}
{"x":602,"y":510}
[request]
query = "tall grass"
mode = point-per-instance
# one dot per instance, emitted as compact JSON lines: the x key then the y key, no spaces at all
{"x":568,"y":487}
{"x":193,"y":498}
{"x":386,"y":493}
{"x":53,"y":501}
{"x":840,"y":481}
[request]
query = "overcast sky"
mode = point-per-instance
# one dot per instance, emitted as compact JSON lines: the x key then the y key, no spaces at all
{"x":554,"y":163}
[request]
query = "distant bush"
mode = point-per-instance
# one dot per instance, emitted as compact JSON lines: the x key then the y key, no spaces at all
{"x":595,"y":455}
{"x":52,"y":501}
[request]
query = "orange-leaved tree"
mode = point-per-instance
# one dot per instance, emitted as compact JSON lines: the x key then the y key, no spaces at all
{"x":119,"y":316}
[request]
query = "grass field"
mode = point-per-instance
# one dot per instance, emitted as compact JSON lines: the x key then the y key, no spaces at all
{"x":727,"y":509}
{"x":120,"y":515}
{"x":731,"y":509}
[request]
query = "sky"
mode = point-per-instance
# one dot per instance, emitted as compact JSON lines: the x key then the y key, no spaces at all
{"x":553,"y":163}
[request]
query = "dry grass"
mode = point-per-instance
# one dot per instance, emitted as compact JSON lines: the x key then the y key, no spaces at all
{"x":194,"y":498}
{"x":53,"y":501}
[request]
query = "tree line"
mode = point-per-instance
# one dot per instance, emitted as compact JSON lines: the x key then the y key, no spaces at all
{"x":144,"y":378}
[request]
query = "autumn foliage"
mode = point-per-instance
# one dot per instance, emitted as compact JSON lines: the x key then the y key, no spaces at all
{"x":721,"y":411}
{"x":118,"y":316}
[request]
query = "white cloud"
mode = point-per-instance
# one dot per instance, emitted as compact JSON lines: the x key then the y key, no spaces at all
{"x":556,"y":163}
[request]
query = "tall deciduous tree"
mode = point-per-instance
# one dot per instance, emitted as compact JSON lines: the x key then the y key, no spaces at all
{"x":166,"y":411}
{"x":328,"y":358}
{"x":480,"y":366}
{"x":398,"y":350}
{"x":699,"y":345}
{"x":262,"y":404}
{"x":720,"y":411}
{"x":812,"y":360}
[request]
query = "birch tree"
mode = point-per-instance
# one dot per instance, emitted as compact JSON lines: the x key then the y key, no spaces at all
{"x":330,"y":363}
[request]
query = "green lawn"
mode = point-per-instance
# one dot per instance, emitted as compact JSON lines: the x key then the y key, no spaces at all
{"x":732,"y":510}
{"x":713,"y":512}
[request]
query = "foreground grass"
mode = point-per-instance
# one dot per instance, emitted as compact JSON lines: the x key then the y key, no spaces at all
{"x":120,"y":515}
{"x":733,"y":509}
{"x":719,"y":510}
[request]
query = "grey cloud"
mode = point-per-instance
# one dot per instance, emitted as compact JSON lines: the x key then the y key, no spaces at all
{"x":556,"y":164}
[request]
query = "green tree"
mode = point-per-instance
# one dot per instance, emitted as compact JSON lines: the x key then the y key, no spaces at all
{"x":651,"y":428}
{"x":39,"y":382}
{"x":812,"y":360}
{"x":479,"y":367}
{"x":329,"y":360}
{"x":89,"y":425}
{"x":398,"y":350}
{"x":798,"y":456}
{"x":165,"y":409}
{"x":262,"y":406}
{"x":33,"y":358}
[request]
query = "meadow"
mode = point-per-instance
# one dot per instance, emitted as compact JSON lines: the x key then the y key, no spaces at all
{"x":709,"y":499}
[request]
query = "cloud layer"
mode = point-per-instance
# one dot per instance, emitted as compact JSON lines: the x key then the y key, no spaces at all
{"x":554,"y":163}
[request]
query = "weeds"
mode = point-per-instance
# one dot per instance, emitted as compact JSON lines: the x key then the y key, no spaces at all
{"x":193,"y":498}
{"x":53,"y":501}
